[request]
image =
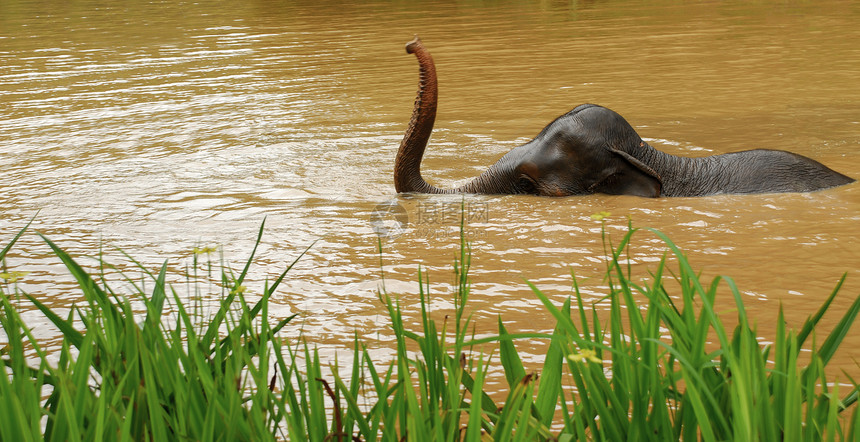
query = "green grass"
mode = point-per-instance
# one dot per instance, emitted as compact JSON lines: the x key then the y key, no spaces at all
{"x":659,"y":368}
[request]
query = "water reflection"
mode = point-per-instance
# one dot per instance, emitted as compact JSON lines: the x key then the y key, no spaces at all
{"x":158,"y":128}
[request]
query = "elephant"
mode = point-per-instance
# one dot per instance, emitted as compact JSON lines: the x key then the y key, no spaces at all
{"x":592,"y":149}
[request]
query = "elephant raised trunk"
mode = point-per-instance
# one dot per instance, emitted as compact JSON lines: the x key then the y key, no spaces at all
{"x":592,"y":149}
{"x":407,"y":166}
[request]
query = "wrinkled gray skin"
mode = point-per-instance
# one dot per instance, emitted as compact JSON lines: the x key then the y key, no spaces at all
{"x":592,"y":149}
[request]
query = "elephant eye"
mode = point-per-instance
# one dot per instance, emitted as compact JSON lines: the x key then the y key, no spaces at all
{"x":526,"y":185}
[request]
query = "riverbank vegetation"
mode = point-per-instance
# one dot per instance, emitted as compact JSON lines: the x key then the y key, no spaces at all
{"x":665,"y":365}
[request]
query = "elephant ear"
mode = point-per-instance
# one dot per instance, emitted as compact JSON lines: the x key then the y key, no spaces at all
{"x":628,"y":176}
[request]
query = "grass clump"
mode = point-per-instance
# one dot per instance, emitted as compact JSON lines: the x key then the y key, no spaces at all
{"x":659,"y":368}
{"x":122,"y":376}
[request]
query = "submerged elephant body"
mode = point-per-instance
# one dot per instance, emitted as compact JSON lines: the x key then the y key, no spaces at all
{"x":592,"y":149}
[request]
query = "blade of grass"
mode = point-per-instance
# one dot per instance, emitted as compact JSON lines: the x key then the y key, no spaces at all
{"x":511,"y":362}
{"x":16,"y":238}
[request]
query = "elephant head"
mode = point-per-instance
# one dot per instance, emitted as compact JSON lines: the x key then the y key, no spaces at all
{"x":592,"y":149}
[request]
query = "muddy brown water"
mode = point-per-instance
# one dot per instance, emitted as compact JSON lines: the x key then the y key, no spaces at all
{"x":162,"y":127}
